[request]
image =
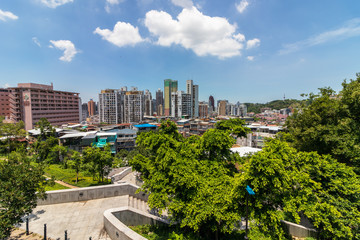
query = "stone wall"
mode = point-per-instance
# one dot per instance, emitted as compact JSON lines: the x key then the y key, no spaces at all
{"x":299,"y":231}
{"x":90,"y":193}
{"x":121,"y":175}
{"x":116,"y":221}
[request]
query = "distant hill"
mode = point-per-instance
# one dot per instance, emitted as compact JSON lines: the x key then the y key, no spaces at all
{"x":276,"y":104}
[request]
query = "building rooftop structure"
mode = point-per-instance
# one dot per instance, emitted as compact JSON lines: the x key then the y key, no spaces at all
{"x":245,"y":151}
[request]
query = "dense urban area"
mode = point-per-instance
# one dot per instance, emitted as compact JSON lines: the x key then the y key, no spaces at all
{"x":286,"y":169}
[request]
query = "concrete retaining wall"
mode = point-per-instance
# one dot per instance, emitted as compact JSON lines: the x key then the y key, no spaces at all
{"x":299,"y":231}
{"x":89,"y":193}
{"x":117,"y":219}
{"x":121,"y":175}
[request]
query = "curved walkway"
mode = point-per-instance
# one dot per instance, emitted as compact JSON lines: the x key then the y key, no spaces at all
{"x":65,"y":184}
{"x":81,"y":219}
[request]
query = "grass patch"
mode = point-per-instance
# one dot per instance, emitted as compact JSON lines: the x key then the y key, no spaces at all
{"x":55,"y":187}
{"x":69,"y":176}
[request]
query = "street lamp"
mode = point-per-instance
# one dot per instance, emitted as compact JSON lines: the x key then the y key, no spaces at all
{"x":250,"y":192}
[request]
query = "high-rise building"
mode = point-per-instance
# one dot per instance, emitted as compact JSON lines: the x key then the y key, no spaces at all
{"x":148,"y":103}
{"x":84,"y":111}
{"x":169,"y":87}
{"x":28,"y":102}
{"x":180,"y":104}
{"x":240,"y":109}
{"x":91,"y":107}
{"x":8,"y":104}
{"x":222,"y":107}
{"x":203,"y":110}
{"x":195,"y":101}
{"x":134,"y":106}
{"x":159,"y":102}
{"x":211,"y":104}
{"x":110,"y":106}
{"x":193,"y":90}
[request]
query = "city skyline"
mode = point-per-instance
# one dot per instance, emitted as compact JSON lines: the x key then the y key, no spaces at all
{"x":271,"y":47}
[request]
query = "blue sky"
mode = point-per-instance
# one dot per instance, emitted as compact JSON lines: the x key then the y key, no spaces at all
{"x":243,"y":50}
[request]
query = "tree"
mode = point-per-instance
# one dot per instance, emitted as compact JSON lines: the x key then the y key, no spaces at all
{"x":235,"y":125}
{"x":76,"y":163}
{"x":46,"y":146}
{"x":98,"y":161}
{"x":301,"y":184}
{"x":329,"y":125}
{"x":190,"y":177}
{"x":12,"y":132}
{"x":58,"y":153}
{"x":46,"y":129}
{"x":21,"y":184}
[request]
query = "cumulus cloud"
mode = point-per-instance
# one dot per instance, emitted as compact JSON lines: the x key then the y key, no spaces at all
{"x":55,"y":3}
{"x":242,"y":6}
{"x":6,"y":85}
{"x":193,"y":30}
{"x":240,"y":37}
{"x":347,"y":30}
{"x":252,"y":43}
{"x":183,"y":3}
{"x":110,"y":3}
{"x":250,"y":58}
{"x":4,"y":16}
{"x":123,"y":34}
{"x":36,"y":41}
{"x":67,"y":46}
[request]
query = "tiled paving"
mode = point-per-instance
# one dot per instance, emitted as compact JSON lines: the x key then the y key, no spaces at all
{"x":81,"y":219}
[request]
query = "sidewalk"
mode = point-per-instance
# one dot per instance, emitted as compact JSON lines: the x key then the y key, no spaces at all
{"x":81,"y":219}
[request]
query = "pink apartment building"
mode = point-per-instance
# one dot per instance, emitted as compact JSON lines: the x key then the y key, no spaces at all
{"x":30,"y":101}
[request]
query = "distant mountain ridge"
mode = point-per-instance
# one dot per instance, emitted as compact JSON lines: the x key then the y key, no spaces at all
{"x":275,"y":104}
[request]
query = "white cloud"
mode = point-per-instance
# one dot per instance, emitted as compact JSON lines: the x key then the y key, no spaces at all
{"x":111,"y":3}
{"x":240,"y":37}
{"x":193,"y":30}
{"x":55,"y":3}
{"x":242,"y":6}
{"x":122,"y":35}
{"x":7,"y":15}
{"x":67,"y":46}
{"x":250,"y":58}
{"x":348,"y":30}
{"x":183,"y":3}
{"x":6,"y":85}
{"x":252,"y":43}
{"x":36,"y":41}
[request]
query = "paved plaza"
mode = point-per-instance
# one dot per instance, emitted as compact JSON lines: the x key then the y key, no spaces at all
{"x":81,"y":219}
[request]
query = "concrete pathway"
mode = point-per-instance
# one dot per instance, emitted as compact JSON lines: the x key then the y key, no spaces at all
{"x":19,"y":234}
{"x":81,"y":219}
{"x":65,"y":184}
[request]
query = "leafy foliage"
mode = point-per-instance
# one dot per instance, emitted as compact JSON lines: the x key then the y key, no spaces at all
{"x":330,"y":124}
{"x":235,"y":126}
{"x":21,"y":184}
{"x":76,"y":163}
{"x":12,"y":133}
{"x":191,"y":177}
{"x":299,"y":183}
{"x":98,"y":161}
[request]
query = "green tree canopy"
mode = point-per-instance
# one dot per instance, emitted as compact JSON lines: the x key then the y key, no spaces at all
{"x":300,"y":183}
{"x":21,"y":184}
{"x":12,"y":132}
{"x":190,"y":177}
{"x":329,"y":124}
{"x":98,"y":161}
